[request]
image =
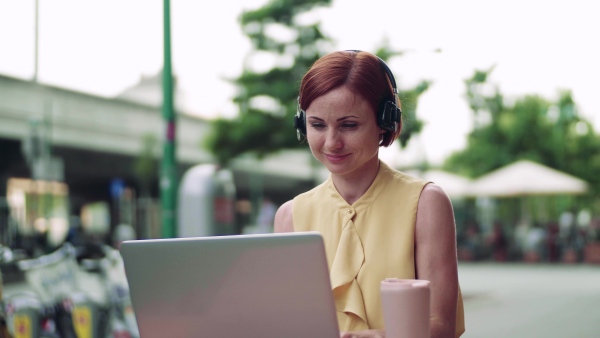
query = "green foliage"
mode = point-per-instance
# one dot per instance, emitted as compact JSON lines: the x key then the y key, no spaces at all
{"x":534,"y":128}
{"x":257,"y":129}
{"x":261,"y":130}
{"x":409,"y":99}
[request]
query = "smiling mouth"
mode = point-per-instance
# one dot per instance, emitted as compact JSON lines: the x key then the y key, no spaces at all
{"x":336,"y":158}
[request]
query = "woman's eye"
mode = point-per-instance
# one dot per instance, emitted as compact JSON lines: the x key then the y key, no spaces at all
{"x":317,"y":125}
{"x":349,"y":125}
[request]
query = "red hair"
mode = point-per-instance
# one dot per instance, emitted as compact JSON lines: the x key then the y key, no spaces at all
{"x":361,"y":72}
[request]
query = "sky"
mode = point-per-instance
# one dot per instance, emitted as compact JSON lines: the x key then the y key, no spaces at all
{"x":104,"y":47}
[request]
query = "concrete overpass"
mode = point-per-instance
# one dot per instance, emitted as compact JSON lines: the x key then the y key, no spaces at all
{"x":99,"y":139}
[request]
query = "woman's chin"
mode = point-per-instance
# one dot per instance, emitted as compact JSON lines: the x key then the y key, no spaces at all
{"x":337,"y":168}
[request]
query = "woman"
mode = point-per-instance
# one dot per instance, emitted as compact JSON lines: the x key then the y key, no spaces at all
{"x":376,"y":222}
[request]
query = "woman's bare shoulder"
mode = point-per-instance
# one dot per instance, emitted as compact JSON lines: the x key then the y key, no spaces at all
{"x":435,"y":214}
{"x":435,"y":231}
{"x":283,"y":218}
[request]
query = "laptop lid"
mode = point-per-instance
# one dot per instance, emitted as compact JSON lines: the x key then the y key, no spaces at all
{"x":266,"y":285}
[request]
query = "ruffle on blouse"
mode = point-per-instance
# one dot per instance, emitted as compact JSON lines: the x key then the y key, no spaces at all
{"x":348,"y":261}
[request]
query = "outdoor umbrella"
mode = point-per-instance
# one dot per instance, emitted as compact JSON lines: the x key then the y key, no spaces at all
{"x":524,"y":178}
{"x":455,"y":186}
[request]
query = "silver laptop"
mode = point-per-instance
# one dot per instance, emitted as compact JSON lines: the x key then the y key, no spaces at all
{"x":267,"y":285}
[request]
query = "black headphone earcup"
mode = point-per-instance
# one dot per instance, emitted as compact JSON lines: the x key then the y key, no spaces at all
{"x":388,"y":116}
{"x":300,"y":123}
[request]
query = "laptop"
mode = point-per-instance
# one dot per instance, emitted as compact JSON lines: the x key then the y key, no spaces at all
{"x":261,"y":285}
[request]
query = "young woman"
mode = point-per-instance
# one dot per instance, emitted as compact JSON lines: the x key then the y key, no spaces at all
{"x":376,"y":222}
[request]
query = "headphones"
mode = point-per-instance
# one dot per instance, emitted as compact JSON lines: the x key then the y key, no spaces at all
{"x":387,"y":117}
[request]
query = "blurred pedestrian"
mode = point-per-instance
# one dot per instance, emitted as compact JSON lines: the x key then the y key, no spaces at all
{"x":566,"y":223}
{"x":583,"y":221}
{"x":266,"y":215}
{"x":243,"y":209}
{"x":499,"y":242}
{"x":520,"y":236}
{"x":376,"y":222}
{"x":473,"y":240}
{"x":552,"y":238}
{"x":534,"y":250}
{"x":594,"y":230}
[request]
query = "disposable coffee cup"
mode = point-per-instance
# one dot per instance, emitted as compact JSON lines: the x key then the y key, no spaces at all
{"x":405,"y":305}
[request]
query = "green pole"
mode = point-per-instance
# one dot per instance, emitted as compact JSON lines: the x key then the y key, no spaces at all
{"x":168,"y":175}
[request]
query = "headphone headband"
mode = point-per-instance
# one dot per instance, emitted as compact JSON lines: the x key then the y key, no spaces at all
{"x":387,"y":70}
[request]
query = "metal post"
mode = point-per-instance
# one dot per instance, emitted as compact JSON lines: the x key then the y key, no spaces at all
{"x":168,"y":175}
{"x":37,"y":34}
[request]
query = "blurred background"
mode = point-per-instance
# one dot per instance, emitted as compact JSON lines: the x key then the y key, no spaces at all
{"x":148,"y":119}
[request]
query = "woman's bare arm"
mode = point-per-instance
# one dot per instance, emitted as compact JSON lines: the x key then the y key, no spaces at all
{"x":435,"y":257}
{"x":283,"y":218}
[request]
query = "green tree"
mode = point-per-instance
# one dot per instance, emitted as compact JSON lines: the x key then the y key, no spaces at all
{"x":531,"y":127}
{"x":267,"y":100}
{"x":411,"y":125}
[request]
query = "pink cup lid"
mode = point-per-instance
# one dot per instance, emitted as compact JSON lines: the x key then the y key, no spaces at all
{"x":404,"y":283}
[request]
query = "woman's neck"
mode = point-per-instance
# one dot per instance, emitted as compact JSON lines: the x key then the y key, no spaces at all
{"x":352,"y":186}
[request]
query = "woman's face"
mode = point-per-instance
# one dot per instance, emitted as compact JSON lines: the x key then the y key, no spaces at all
{"x":342,"y":132}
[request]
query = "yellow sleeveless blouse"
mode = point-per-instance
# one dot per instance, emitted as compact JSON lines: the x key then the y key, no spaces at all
{"x":365,"y":242}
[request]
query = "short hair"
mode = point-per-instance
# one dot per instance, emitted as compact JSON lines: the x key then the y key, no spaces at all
{"x":361,"y":72}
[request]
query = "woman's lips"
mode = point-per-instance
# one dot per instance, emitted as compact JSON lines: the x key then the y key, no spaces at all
{"x":336,"y":158}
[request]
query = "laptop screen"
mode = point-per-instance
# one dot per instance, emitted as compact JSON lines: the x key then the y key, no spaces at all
{"x":267,"y":285}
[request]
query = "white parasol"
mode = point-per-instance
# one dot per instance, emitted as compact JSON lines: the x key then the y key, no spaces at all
{"x":455,"y":186}
{"x":527,"y":178}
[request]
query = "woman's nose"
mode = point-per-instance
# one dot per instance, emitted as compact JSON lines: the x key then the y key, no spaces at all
{"x":333,"y":140}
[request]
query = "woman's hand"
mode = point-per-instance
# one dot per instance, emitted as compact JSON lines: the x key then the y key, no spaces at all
{"x":364,"y":334}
